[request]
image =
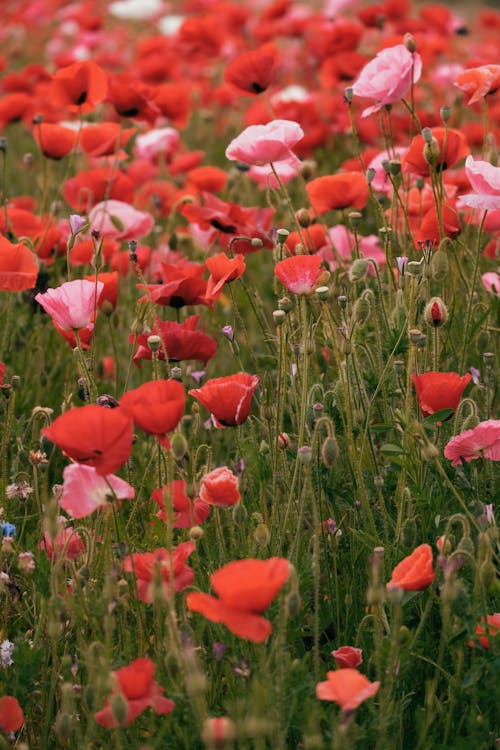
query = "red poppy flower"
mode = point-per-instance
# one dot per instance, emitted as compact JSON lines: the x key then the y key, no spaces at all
{"x":487,"y":629}
{"x":209,"y":179}
{"x":228,"y":398}
{"x":223,"y":270}
{"x":11,"y":714}
{"x":439,"y":390}
{"x":104,"y":139}
{"x":415,"y":571}
{"x":347,"y":687}
{"x":253,"y":71}
{"x":245,"y":589}
{"x":430,"y":230}
{"x":479,"y":82}
{"x":156,"y":407}
{"x":174,"y":102}
{"x":84,"y":335}
{"x":132,"y":98}
{"x":220,"y":487}
{"x":348,"y":656}
{"x":109,"y":292}
{"x":314,"y":237}
{"x":301,"y":274}
{"x":18,"y":267}
{"x":94,"y":436}
{"x":88,"y":188}
{"x":136,"y":685}
{"x":16,"y":106}
{"x":182,"y":285}
{"x":451,"y":145}
{"x":185,"y":512}
{"x":79,"y":86}
{"x":55,"y":141}
{"x":179,"y":341}
{"x":172,"y":567}
{"x":185,"y":162}
{"x":338,"y":191}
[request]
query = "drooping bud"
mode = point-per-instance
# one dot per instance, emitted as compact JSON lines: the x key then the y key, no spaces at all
{"x":358,"y":270}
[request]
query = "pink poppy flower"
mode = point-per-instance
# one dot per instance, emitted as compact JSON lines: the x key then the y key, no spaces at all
{"x":84,"y":490}
{"x":348,"y":657}
{"x":258,"y":145}
{"x":388,"y":77}
{"x":71,"y":305}
{"x":485,"y":181}
{"x":185,"y":512}
{"x":300,"y":274}
{"x":172,"y":567}
{"x":265,"y":178}
{"x":120,"y":221}
{"x":67,"y":543}
{"x":482,"y":441}
{"x":347,"y":687}
{"x":220,"y":487}
{"x":156,"y":141}
{"x":491,"y":281}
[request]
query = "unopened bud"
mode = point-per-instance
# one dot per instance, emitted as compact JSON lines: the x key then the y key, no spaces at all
{"x":262,"y":535}
{"x":240,"y":514}
{"x":285,"y":304}
{"x":256,"y":242}
{"x":293,"y":604}
{"x":179,"y":446}
{"x":119,"y":708}
{"x":303,"y":217}
{"x":279,"y":317}
{"x":305,"y":454}
{"x":435,"y":312}
{"x":355,"y":219}
{"x":218,"y":732}
{"x":445,"y":113}
{"x":409,"y":43}
{"x":358,"y":270}
{"x":196,"y":533}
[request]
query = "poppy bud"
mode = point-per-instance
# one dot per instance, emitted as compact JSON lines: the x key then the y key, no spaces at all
{"x":279,"y":317}
{"x":394,"y":167}
{"x":431,"y":151}
{"x":362,"y":310}
{"x":355,"y":219}
{"x":283,"y":440}
{"x":179,"y":446}
{"x":293,"y":604}
{"x":240,"y":514}
{"x":435,"y":312}
{"x":305,"y":455}
{"x":358,"y":270}
{"x":445,"y":113}
{"x":330,"y":451}
{"x":256,"y":242}
{"x":119,"y":708}
{"x":285,"y":304}
{"x":281,"y":236}
{"x":303,"y":217}
{"x":262,"y":535}
{"x":63,"y":726}
{"x":322,"y":293}
{"x":308,"y":169}
{"x":440,"y":265}
{"x":370,"y":174}
{"x":409,"y":42}
{"x":196,"y":533}
{"x":348,"y":94}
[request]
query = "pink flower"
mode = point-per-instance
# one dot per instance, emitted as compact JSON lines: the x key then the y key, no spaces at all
{"x":71,"y":305}
{"x":67,"y":543}
{"x":300,"y":274}
{"x":156,"y":141}
{"x":348,"y":657}
{"x":491,"y":281}
{"x":265,"y":178}
{"x":485,"y":181}
{"x":482,"y":441}
{"x":84,"y":490}
{"x":388,"y":77}
{"x":262,"y":144}
{"x":120,"y":221}
{"x":220,"y":487}
{"x":381,"y":182}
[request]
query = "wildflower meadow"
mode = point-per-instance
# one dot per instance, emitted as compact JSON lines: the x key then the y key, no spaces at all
{"x":249,"y":375}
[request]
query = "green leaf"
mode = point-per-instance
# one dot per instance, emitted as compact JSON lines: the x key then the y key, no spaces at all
{"x":438,"y":416}
{"x":117,"y":222}
{"x":390,"y":449}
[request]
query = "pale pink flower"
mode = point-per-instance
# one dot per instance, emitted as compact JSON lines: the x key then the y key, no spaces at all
{"x":485,"y":181}
{"x":259,"y":145}
{"x":381,"y":182}
{"x":71,"y":305}
{"x":220,"y":487}
{"x":343,"y":242}
{"x":388,"y":77}
{"x":156,"y":141}
{"x":84,"y":490}
{"x":482,"y":441}
{"x":265,"y":178}
{"x":67,"y":542}
{"x":120,"y":221}
{"x":491,"y":281}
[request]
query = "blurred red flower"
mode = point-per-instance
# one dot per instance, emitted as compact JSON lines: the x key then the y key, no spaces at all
{"x":479,"y":82}
{"x":301,"y":274}
{"x":185,"y":512}
{"x":136,"y":685}
{"x":11,"y":714}
{"x":338,"y":191}
{"x":94,"y":436}
{"x":245,"y":589}
{"x":415,"y":571}
{"x":179,"y":341}
{"x":253,"y":71}
{"x":181,"y":285}
{"x":451,"y":144}
{"x":228,"y":398}
{"x":55,"y":141}
{"x":347,"y":687}
{"x":223,"y":270}
{"x":348,"y":656}
{"x":79,"y":86}
{"x":220,"y":487}
{"x":172,"y":568}
{"x":487,"y":629}
{"x":18,"y":267}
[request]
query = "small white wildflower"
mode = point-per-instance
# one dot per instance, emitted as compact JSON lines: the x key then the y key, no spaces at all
{"x":6,"y":649}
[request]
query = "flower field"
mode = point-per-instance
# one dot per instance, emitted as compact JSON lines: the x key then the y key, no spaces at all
{"x":249,"y":344}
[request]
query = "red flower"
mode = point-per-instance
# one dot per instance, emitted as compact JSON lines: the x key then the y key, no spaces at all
{"x":487,"y":630}
{"x":18,"y":267}
{"x":415,"y":571}
{"x":156,"y":407}
{"x":300,"y":274}
{"x":220,"y":487}
{"x":135,"y":683}
{"x":55,"y":141}
{"x":347,"y":687}
{"x":338,"y":191}
{"x":348,"y":656}
{"x":11,"y":714}
{"x":109,"y":292}
{"x":132,"y":98}
{"x":223,"y":270}
{"x":104,"y":139}
{"x":182,"y":285}
{"x":209,"y":179}
{"x":173,"y":99}
{"x":439,"y":390}
{"x":172,"y":568}
{"x":429,"y":229}
{"x":479,"y":82}
{"x":228,"y":398}
{"x":452,"y":146}
{"x":185,"y":512}
{"x":482,"y":441}
{"x":255,"y":70}
{"x":89,"y":188}
{"x":245,"y":589}
{"x":179,"y":341}
{"x":94,"y":436}
{"x":79,"y":86}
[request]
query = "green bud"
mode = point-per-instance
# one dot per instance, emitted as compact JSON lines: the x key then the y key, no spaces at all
{"x":358,"y":270}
